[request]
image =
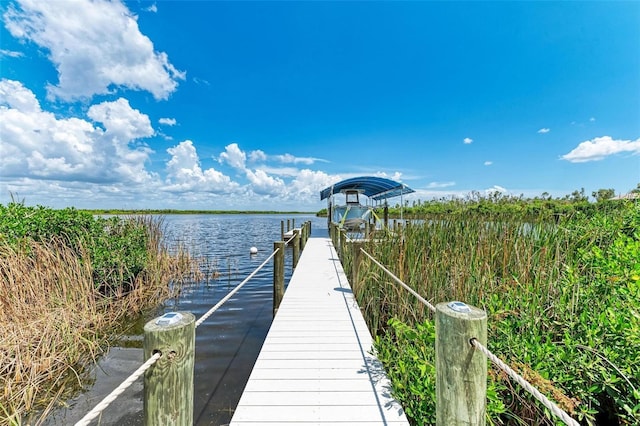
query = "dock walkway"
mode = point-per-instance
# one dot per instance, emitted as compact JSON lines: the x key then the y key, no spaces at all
{"x":316,"y":366}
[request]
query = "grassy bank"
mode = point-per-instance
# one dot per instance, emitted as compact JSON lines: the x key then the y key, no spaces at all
{"x":562,"y":294}
{"x":67,"y":281}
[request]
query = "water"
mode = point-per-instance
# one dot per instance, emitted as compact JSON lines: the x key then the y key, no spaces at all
{"x":227,"y":343}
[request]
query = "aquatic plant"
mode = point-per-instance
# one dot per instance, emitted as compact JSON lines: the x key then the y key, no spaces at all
{"x":561,"y":296}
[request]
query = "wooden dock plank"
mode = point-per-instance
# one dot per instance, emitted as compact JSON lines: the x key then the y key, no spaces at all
{"x":316,"y":365}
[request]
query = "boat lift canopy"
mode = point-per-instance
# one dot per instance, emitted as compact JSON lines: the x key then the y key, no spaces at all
{"x":373,"y":187}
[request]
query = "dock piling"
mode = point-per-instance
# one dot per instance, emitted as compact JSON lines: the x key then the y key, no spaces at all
{"x":461,"y":371}
{"x":278,"y":275}
{"x":168,"y":384}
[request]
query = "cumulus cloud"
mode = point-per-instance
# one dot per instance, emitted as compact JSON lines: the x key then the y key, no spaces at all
{"x":397,"y":176}
{"x":233,"y":156}
{"x":467,"y":140}
{"x":544,"y":130}
{"x":257,"y":156}
{"x":488,"y":163}
{"x":184,"y":173}
{"x":592,"y":119}
{"x":121,"y":120}
{"x":599,"y":148}
{"x":167,"y":121}
{"x":38,"y":145}
{"x":263,"y":184}
{"x":309,"y":183}
{"x":106,"y":51}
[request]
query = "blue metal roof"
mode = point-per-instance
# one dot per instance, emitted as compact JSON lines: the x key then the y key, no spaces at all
{"x":376,"y":188}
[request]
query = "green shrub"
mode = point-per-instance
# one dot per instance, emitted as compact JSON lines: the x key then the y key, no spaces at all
{"x":115,"y":247}
{"x":562,"y":299}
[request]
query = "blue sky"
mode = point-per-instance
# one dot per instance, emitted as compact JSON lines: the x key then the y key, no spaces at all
{"x":260,"y":105}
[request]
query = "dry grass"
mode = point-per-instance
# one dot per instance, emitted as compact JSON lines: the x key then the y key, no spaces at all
{"x":53,"y":321}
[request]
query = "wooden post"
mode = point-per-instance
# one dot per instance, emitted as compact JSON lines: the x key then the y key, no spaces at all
{"x":296,"y":247}
{"x":168,"y":384}
{"x":293,"y":223}
{"x":307,"y":233}
{"x":332,"y":234}
{"x":357,"y":258}
{"x":288,"y":225}
{"x":343,"y":243}
{"x":282,"y":230}
{"x":461,"y":371}
{"x":278,"y":275}
{"x":303,"y":235}
{"x":386,"y":215}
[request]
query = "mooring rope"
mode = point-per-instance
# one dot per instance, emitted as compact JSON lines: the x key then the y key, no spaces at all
{"x":557,"y":411}
{"x":98,"y":409}
{"x":399,"y":281}
{"x":234,"y":291}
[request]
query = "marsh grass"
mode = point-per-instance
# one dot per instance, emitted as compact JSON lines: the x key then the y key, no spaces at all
{"x":55,"y":320}
{"x":562,"y":300}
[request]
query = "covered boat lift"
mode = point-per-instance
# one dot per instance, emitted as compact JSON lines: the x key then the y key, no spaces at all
{"x":353,"y":214}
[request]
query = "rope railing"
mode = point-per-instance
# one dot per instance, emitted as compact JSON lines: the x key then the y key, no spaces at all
{"x":222,"y":301}
{"x":399,"y":281}
{"x":553,"y":408}
{"x":557,"y":411}
{"x":100,"y":407}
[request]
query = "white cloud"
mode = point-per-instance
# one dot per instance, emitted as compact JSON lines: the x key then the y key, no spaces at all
{"x":395,"y":176}
{"x":263,"y":184}
{"x":233,"y":156}
{"x":257,"y":156}
{"x":592,"y":119}
{"x":184,"y":173}
{"x":290,"y":159}
{"x":281,"y":171}
{"x":494,"y":189}
{"x":96,"y":46}
{"x":308,"y":184}
{"x":121,"y":120}
{"x":14,"y":95}
{"x":600,"y":148}
{"x":167,"y":121}
{"x":38,"y":145}
{"x":10,"y":53}
{"x":467,"y":140}
{"x":488,"y":163}
{"x":433,"y":185}
{"x":544,"y":130}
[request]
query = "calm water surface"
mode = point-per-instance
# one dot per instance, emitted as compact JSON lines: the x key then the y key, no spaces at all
{"x":228,"y":342}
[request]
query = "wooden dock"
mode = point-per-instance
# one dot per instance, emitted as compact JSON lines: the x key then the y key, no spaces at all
{"x":316,"y":366}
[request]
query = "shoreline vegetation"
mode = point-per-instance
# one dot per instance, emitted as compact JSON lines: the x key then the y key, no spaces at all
{"x":139,"y":212}
{"x":68,"y":281}
{"x":558,"y":278}
{"x":560,"y":282}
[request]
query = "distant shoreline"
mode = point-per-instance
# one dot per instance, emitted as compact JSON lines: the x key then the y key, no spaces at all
{"x":170,"y":211}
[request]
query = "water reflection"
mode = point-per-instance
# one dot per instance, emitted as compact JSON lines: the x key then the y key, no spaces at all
{"x":227,"y":343}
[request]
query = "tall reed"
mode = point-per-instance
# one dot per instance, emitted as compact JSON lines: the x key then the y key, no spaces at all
{"x":54,"y":319}
{"x":561,"y":299}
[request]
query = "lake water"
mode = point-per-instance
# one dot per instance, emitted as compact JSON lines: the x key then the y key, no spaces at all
{"x":227,"y":343}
